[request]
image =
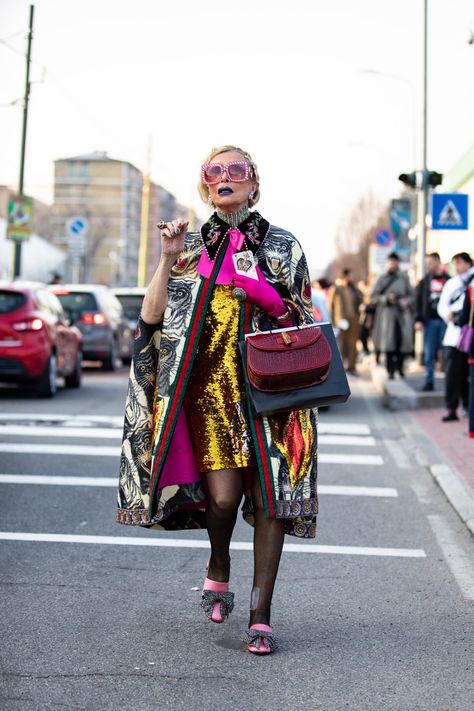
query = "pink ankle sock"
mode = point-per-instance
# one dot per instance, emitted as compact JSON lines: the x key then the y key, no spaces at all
{"x":215,"y":586}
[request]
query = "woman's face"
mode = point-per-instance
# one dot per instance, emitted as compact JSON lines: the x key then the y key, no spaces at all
{"x":227,"y":195}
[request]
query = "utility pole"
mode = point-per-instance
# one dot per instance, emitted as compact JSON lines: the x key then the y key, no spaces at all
{"x":145,"y":218}
{"x":17,"y":243}
{"x":425,"y":188}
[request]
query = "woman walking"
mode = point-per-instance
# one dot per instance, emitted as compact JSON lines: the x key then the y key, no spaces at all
{"x":192,"y":447}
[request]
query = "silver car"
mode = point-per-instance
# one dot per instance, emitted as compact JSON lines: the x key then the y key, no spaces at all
{"x":97,"y":313}
{"x":131,"y":298}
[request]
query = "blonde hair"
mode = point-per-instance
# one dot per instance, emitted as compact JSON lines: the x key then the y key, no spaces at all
{"x":203,"y":188}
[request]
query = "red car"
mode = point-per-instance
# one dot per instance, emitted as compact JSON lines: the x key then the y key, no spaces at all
{"x":37,"y":342}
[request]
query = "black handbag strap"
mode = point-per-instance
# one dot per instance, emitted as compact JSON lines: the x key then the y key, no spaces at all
{"x":457,"y":294}
{"x":393,"y":277}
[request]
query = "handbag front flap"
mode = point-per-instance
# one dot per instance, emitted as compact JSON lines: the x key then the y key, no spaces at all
{"x":285,"y":340}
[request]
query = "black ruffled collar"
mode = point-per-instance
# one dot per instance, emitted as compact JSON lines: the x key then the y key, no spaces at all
{"x":214,"y":232}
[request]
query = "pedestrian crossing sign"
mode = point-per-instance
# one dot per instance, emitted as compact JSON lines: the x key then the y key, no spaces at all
{"x":449,"y":211}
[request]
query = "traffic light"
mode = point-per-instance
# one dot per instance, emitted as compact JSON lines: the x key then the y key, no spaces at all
{"x":420,"y":180}
{"x":408,"y":179}
{"x":434,"y":179}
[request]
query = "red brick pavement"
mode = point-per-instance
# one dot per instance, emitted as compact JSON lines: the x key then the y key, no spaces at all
{"x":452,"y":440}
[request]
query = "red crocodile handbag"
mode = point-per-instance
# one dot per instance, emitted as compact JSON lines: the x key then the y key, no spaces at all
{"x":288,"y":359}
{"x":303,"y":373}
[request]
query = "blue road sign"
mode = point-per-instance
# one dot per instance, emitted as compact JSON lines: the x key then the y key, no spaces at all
{"x":384,"y":238}
{"x":449,"y":211}
{"x":77,"y":226}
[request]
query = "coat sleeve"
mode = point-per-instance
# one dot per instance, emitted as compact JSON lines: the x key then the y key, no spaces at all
{"x":284,"y":266}
{"x":444,"y":307}
{"x":376,"y":297}
{"x":299,"y":286}
{"x":419,"y":315}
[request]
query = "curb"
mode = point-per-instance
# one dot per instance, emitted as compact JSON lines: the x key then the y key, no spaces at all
{"x":398,"y":395}
{"x":456,"y":492}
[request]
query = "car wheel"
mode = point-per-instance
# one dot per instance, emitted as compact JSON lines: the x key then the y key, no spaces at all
{"x":46,"y":385}
{"x":110,"y":363}
{"x":74,"y":379}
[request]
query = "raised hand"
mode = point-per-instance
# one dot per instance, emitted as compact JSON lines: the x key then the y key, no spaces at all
{"x":172,"y":236}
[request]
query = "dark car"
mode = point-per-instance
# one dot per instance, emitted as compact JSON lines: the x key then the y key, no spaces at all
{"x":100,"y":318}
{"x":37,"y":342}
{"x":131,"y":298}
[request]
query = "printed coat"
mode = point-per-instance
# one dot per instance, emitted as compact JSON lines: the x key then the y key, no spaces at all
{"x":285,"y":444}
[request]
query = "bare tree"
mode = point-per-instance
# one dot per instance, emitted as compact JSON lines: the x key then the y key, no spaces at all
{"x":354,"y":235}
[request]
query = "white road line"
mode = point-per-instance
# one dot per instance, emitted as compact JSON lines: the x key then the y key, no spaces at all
{"x":183,"y":543}
{"x":459,"y":562}
{"x":115,"y":433}
{"x":343,"y":428}
{"x":344,"y":440}
{"x":399,"y":454}
{"x":40,"y":479}
{"x":365,"y":459}
{"x":46,"y":480}
{"x":93,"y":451}
{"x":77,"y":450}
{"x":78,"y":419}
{"x":38,"y":431}
{"x":378,"y":491}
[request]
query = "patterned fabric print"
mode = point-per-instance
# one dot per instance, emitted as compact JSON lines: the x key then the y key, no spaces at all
{"x":215,"y":390}
{"x":284,"y":266}
{"x":293,"y":436}
{"x":155,"y":354}
{"x":138,"y":426}
{"x":183,"y":507}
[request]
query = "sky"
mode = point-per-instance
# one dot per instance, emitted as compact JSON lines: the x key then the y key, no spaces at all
{"x":326,"y":96}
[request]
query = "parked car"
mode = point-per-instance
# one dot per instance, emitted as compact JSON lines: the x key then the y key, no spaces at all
{"x":131,"y":299}
{"x":37,"y":341}
{"x":100,"y":318}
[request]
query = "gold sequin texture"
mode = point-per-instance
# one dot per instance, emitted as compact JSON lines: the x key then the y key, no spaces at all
{"x":215,"y":402}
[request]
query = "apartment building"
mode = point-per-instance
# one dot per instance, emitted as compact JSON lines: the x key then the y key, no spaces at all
{"x":106,"y":194}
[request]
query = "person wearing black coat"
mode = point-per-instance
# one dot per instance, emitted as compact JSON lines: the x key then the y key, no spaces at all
{"x":427,"y":318}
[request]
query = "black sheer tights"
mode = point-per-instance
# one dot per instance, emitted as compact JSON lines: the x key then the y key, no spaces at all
{"x":224,"y":490}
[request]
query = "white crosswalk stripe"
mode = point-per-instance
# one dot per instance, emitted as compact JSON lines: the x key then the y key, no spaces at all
{"x":334,"y":438}
{"x":101,"y":481}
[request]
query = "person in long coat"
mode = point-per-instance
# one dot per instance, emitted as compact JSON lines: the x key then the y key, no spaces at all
{"x":192,"y":446}
{"x":392,"y":333}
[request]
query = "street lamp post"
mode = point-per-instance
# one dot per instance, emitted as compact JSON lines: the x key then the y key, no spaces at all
{"x":424,"y":192}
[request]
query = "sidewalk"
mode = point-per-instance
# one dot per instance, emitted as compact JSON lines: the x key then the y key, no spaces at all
{"x":454,"y":473}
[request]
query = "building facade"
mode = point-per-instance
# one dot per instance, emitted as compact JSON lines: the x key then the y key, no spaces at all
{"x":106,"y":194}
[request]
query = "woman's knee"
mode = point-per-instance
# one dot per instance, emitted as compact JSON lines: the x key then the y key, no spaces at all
{"x":225,"y":504}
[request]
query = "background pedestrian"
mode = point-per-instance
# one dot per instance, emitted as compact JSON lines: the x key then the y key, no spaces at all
{"x":427,"y":319}
{"x":393,"y":324}
{"x":344,"y":302}
{"x":450,"y":309}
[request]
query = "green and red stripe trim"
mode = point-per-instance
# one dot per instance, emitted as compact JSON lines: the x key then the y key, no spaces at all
{"x":179,"y":388}
{"x":258,"y":430}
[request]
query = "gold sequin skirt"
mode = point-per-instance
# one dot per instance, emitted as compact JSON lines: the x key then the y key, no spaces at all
{"x":215,"y":396}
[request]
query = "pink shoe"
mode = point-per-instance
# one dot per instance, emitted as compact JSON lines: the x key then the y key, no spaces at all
{"x":217,"y":602}
{"x":260,"y":639}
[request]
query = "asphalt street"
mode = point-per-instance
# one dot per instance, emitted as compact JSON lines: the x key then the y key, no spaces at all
{"x":377,"y":614}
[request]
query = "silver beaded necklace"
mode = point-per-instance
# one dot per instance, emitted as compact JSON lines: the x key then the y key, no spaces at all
{"x":234,"y":218}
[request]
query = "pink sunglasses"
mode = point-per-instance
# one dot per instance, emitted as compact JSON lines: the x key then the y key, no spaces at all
{"x":237,"y":172}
